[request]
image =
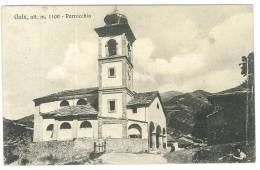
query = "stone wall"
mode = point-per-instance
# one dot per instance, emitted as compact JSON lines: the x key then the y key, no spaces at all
{"x":65,"y":151}
{"x":126,"y":145}
{"x":61,"y":152}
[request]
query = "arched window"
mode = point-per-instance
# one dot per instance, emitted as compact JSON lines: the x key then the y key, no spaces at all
{"x":64,"y":103}
{"x":111,"y":45}
{"x":65,"y":125}
{"x":85,"y":124}
{"x":50,"y":127}
{"x":81,"y":102}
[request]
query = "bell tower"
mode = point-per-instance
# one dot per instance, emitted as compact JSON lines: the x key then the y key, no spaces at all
{"x":115,"y":75}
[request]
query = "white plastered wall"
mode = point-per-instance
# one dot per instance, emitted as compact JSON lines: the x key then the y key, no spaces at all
{"x":112,"y":130}
{"x":156,"y":115}
{"x":38,"y":120}
{"x":48,"y":135}
{"x":65,"y":134}
{"x":87,"y":132}
{"x":118,"y":99}
{"x":112,"y":81}
{"x":140,"y":115}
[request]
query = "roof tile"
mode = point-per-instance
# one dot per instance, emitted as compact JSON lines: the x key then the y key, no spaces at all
{"x":72,"y":111}
{"x":143,"y":99}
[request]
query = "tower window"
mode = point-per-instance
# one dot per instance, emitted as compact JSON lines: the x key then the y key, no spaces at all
{"x":111,"y":73}
{"x":158,"y":106}
{"x":111,"y":106}
{"x":111,"y":45}
{"x":134,"y":110}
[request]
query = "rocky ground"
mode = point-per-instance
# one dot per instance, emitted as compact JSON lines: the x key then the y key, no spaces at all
{"x":131,"y":158}
{"x":210,"y":154}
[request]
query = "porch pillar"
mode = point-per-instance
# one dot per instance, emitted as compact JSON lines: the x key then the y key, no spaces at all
{"x":100,"y":123}
{"x":164,"y":141}
{"x":161,"y":142}
{"x":55,"y":130}
{"x":153,"y":138}
{"x":74,"y":128}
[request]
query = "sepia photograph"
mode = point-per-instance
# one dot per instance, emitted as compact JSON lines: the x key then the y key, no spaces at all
{"x":128,"y":84}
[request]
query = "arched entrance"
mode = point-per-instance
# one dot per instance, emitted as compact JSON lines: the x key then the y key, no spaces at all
{"x":151,"y":133}
{"x":158,"y":134}
{"x":134,"y":131}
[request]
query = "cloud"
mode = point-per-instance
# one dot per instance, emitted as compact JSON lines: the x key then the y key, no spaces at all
{"x":212,"y":65}
{"x":209,"y":62}
{"x":79,"y":67}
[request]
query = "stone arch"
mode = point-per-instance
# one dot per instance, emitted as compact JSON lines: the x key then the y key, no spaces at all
{"x":158,"y":134}
{"x":64,"y":103}
{"x":81,"y":102}
{"x":65,"y":125}
{"x":85,"y":124}
{"x":151,"y":132}
{"x":135,"y":131}
{"x":112,"y":49}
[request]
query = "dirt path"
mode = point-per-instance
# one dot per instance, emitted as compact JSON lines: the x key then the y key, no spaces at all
{"x":131,"y":158}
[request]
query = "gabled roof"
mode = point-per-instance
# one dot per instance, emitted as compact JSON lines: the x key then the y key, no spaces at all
{"x":143,"y":99}
{"x":90,"y":93}
{"x":78,"y":110}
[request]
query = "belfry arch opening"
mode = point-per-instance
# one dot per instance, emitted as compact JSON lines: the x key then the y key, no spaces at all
{"x":112,"y":49}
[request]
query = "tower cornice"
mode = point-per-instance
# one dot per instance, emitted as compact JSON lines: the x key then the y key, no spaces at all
{"x":114,"y":59}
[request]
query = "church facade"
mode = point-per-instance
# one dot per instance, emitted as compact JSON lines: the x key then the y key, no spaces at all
{"x":110,"y":111}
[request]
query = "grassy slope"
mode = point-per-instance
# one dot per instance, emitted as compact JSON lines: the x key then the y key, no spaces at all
{"x":182,"y":109}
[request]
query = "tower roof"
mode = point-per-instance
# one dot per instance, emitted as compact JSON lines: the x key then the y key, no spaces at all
{"x":116,"y":24}
{"x":115,"y":18}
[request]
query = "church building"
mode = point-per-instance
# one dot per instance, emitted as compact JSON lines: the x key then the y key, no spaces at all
{"x":110,"y":111}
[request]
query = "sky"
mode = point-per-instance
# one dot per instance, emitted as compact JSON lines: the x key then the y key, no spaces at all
{"x":181,"y":48}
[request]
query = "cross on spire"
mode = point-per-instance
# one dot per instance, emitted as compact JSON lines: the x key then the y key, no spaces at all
{"x":115,"y":9}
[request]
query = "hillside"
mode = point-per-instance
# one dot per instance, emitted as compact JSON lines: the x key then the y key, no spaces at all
{"x":15,"y":137}
{"x":183,"y":110}
{"x":27,"y":120}
{"x":166,"y":96}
